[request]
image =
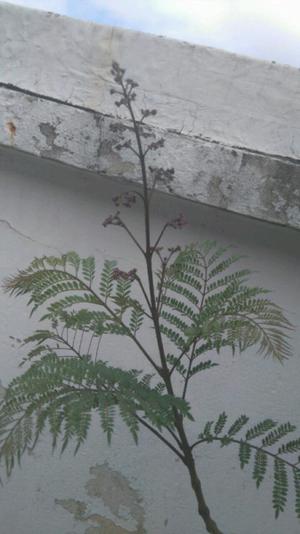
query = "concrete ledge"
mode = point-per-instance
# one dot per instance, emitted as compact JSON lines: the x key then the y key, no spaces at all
{"x":232,"y":124}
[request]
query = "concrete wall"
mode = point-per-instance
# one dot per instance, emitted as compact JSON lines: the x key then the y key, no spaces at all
{"x":47,"y":208}
{"x":232,"y":134}
{"x":231,"y":123}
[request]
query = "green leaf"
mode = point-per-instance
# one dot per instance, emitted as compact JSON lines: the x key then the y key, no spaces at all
{"x":260,"y":467}
{"x":107,"y":280}
{"x":260,"y":429}
{"x":221,"y":422}
{"x":244,"y":453}
{"x":88,"y":269}
{"x":136,"y":319}
{"x":202,"y":366}
{"x":237,"y":425}
{"x":290,"y":447}
{"x":280,"y":487}
{"x":296,"y":473}
{"x":277,"y":434}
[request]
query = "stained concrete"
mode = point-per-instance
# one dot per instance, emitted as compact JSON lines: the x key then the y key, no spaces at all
{"x":231,"y":123}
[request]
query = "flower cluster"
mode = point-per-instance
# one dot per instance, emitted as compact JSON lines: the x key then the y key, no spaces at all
{"x":178,"y":223}
{"x":127,"y":94}
{"x":162,"y":175}
{"x":113,"y":220}
{"x":148,"y":112}
{"x":125,"y":199}
{"x":123,"y":275}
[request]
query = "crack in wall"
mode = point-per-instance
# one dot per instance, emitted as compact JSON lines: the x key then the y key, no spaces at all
{"x":12,"y":87}
{"x":25,"y":236}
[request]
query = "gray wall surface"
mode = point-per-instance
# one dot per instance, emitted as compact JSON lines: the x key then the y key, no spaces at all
{"x":48,"y":208}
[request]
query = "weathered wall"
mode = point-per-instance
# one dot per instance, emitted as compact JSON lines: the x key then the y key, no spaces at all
{"x":232,"y":133}
{"x":47,"y":208}
{"x":231,"y":123}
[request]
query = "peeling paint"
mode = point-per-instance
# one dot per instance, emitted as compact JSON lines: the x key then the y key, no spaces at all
{"x":118,"y":497}
{"x":48,"y":130}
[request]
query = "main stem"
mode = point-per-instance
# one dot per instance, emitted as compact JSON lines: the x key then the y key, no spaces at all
{"x":203,"y":509}
{"x":188,"y":458}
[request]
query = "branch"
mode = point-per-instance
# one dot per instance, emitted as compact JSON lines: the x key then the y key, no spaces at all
{"x":189,"y":370}
{"x":256,"y":447}
{"x":133,"y":238}
{"x":159,"y":237}
{"x":160,"y":436}
{"x":137,"y":278}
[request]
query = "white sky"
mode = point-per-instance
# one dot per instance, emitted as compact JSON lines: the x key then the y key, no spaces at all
{"x":267,"y":29}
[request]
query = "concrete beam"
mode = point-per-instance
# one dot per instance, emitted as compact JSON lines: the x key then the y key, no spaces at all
{"x":231,"y":124}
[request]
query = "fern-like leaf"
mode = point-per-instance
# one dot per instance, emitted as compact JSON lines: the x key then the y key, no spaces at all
{"x":88,"y":269}
{"x":244,"y":454}
{"x":290,"y":447}
{"x":260,"y":467}
{"x":280,"y":487}
{"x":107,"y":280}
{"x":221,"y":422}
{"x":237,"y":425}
{"x":275,"y":435}
{"x":260,"y":429}
{"x":296,"y":474}
{"x":202,"y":366}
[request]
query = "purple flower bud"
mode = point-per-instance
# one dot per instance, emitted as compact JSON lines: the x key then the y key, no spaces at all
{"x":174,"y":249}
{"x":113,"y":219}
{"x":179,"y":222}
{"x":126,"y":199}
{"x":118,"y":274}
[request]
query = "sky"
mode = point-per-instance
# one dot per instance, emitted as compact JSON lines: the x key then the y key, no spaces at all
{"x":264,"y":29}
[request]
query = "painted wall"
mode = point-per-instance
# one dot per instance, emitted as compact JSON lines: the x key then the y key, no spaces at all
{"x":48,"y":208}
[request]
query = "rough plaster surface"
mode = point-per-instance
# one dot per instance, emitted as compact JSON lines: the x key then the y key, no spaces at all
{"x":231,"y":123}
{"x":47,"y":207}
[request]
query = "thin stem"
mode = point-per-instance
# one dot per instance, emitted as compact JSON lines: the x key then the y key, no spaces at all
{"x":174,"y":436}
{"x":132,"y":150}
{"x":189,"y":370}
{"x":81,"y":340}
{"x":161,"y":284}
{"x":133,"y":238}
{"x":160,"y":436}
{"x":183,"y":353}
{"x":159,"y":237}
{"x":98,"y":346}
{"x":69,"y":345}
{"x":90,"y":343}
{"x":137,"y":278}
